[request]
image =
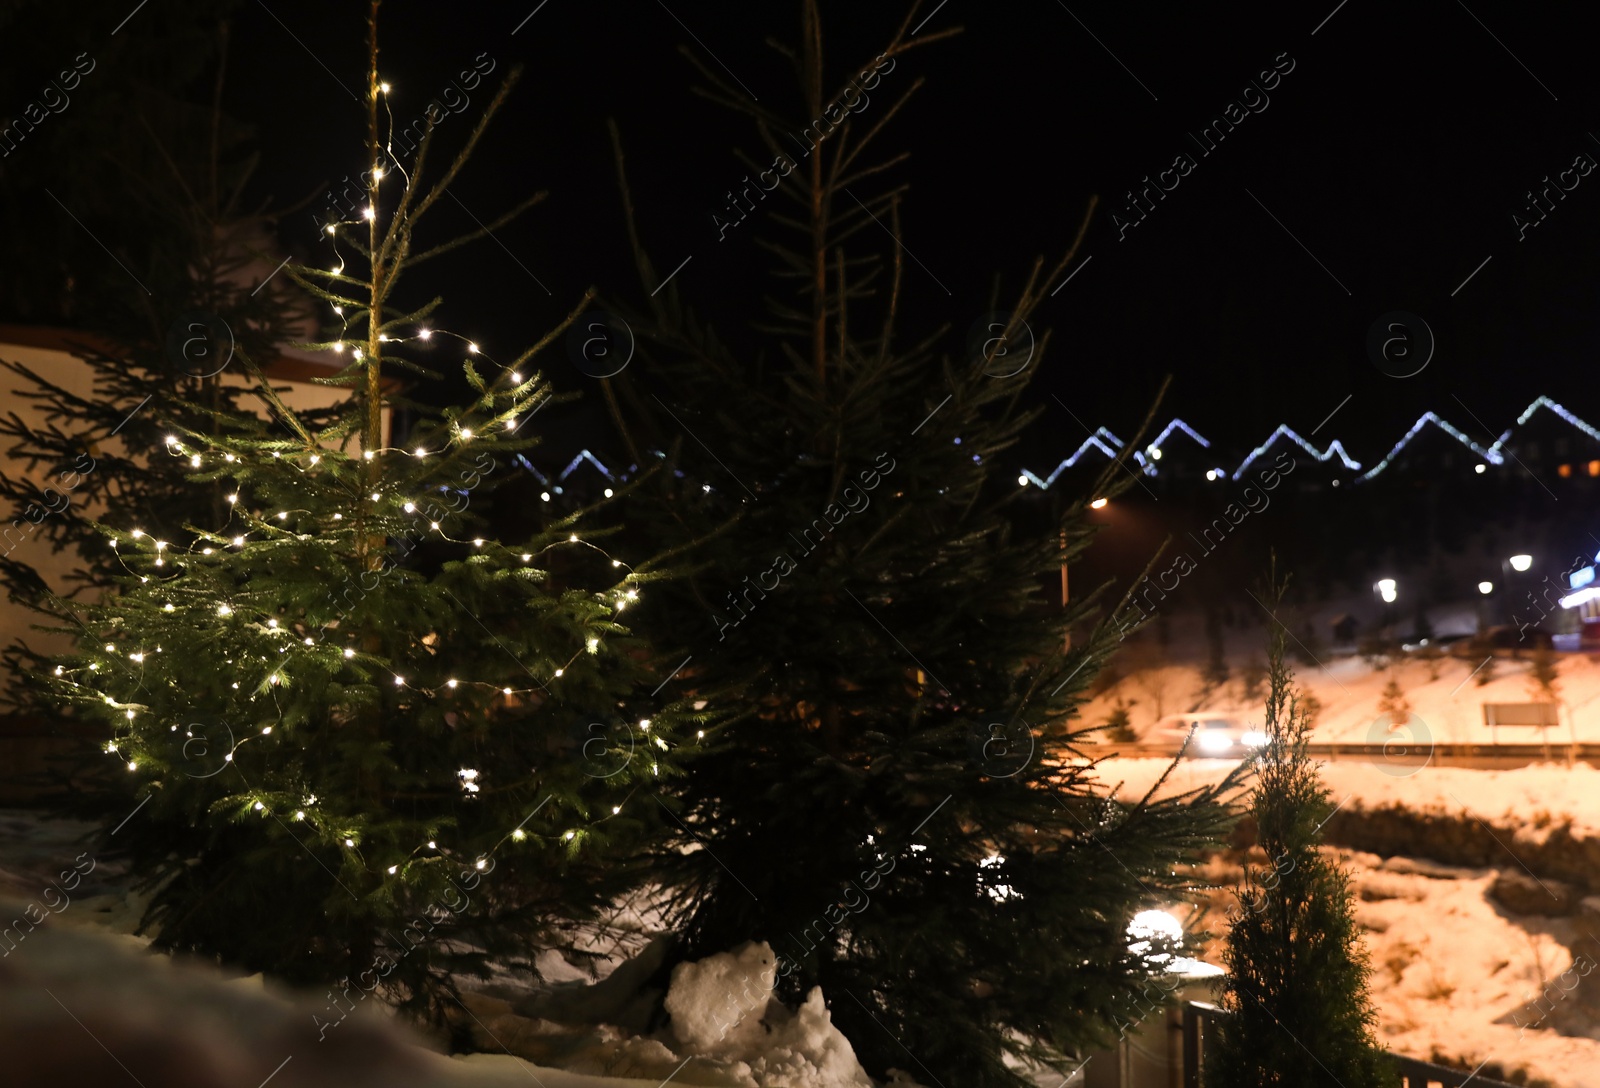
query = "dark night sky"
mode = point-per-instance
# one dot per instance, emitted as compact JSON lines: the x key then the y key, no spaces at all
{"x":1395,"y":151}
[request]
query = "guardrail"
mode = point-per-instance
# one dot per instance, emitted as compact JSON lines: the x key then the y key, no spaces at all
{"x":1200,"y":1017}
{"x":1439,"y":752}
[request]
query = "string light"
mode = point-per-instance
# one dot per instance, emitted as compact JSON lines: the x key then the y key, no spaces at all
{"x":518,"y":834}
{"x":233,"y":498}
{"x":472,"y":348}
{"x":224,"y":610}
{"x":393,"y":869}
{"x":368,"y":212}
{"x":424,"y":334}
{"x":349,"y":652}
{"x":450,"y":683}
{"x":516,"y":376}
{"x":383,"y":88}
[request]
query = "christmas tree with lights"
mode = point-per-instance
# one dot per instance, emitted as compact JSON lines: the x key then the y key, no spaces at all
{"x":900,"y":811}
{"x":372,"y":746}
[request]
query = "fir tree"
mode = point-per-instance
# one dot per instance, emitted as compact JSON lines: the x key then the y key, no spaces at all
{"x":161,"y":348}
{"x":1216,"y":672}
{"x":1544,"y":681}
{"x":878,"y":601}
{"x":371,"y":743}
{"x":1393,"y":703}
{"x":1296,"y":987}
{"x":1119,"y":722}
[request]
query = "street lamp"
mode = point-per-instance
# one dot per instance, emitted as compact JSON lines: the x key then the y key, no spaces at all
{"x":1386,"y":590}
{"x":1521,"y":562}
{"x":1486,"y":588}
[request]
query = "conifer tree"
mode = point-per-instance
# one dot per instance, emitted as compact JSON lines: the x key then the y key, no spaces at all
{"x":1393,"y":703}
{"x":1296,"y":987}
{"x":370,"y":742}
{"x":1216,"y":672}
{"x":161,"y":346}
{"x":884,"y":813}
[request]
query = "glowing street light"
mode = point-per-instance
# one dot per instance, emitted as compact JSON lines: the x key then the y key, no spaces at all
{"x":1521,"y":562}
{"x":1386,"y":590}
{"x":1486,"y":588}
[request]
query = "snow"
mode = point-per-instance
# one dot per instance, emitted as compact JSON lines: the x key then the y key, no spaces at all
{"x":1349,"y":689}
{"x":1534,"y":800}
{"x":1454,"y":974}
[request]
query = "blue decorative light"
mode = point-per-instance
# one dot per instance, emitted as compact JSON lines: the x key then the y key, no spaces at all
{"x":1490,"y":455}
{"x":1092,"y":440}
{"x":1334,"y":449}
{"x":1546,"y":402}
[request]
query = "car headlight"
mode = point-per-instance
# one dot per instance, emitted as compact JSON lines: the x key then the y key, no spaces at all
{"x":1253,"y":740}
{"x":1215,"y":742}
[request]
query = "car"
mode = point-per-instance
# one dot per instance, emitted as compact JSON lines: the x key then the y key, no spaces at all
{"x":1216,"y":734}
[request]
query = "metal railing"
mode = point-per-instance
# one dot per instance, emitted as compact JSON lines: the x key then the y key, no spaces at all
{"x":1199,"y":1018}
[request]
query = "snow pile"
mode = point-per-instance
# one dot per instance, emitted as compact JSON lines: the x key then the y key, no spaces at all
{"x":722,"y":1007}
{"x":1454,"y":974}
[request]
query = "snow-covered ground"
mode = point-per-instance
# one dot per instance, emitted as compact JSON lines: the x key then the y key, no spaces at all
{"x":1349,"y":690}
{"x":67,"y":943}
{"x":1459,"y":979}
{"x":1533,"y":800}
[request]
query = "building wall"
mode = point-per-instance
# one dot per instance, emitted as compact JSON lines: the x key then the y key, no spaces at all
{"x":22,"y":542}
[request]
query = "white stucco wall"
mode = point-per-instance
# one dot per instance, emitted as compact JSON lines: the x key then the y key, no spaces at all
{"x":18,"y":534}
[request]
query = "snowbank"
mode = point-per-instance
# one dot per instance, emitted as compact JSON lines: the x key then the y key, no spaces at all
{"x":1533,"y":800}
